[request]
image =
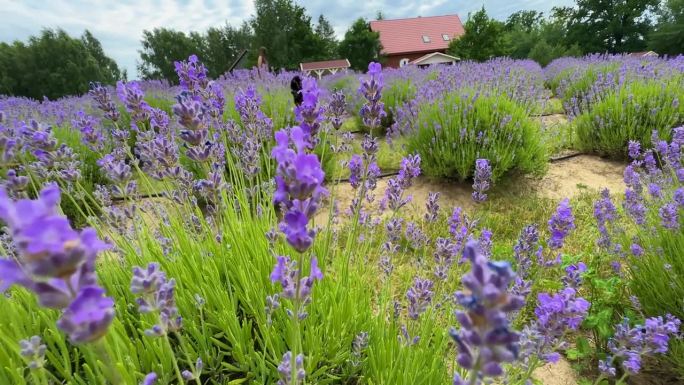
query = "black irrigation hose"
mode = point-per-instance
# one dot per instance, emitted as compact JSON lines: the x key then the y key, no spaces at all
{"x":566,"y":157}
{"x":143,"y":196}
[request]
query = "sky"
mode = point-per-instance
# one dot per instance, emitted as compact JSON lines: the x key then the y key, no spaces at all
{"x":119,"y":24}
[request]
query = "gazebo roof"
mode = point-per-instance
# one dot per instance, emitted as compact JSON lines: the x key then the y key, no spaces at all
{"x":325,"y":65}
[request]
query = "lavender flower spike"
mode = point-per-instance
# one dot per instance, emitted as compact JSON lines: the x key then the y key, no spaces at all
{"x":286,"y":370}
{"x":560,"y":224}
{"x":419,"y":297}
{"x":88,"y":317}
{"x":485,"y":339}
{"x":482,"y":180}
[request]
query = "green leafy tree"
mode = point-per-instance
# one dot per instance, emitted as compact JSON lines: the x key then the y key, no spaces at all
{"x":222,"y":46}
{"x":668,"y":35}
{"x":284,"y":29}
{"x":483,"y":39}
{"x":527,"y":21}
{"x":360,"y":45}
{"x":107,"y":64}
{"x":325,"y":36}
{"x":54,"y":64}
{"x":610,"y":26}
{"x":161,"y":47}
{"x":530,"y":35}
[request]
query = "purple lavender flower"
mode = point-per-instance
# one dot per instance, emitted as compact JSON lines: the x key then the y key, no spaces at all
{"x":634,"y":149}
{"x":132,"y":97}
{"x":55,"y":261}
{"x":605,"y":213}
{"x":359,"y":345}
{"x":309,"y":114}
{"x":485,"y":339}
{"x":415,"y":236}
{"x":336,"y":109}
{"x":573,"y":275}
{"x":150,"y":379}
{"x":482,"y":180}
{"x":299,"y":186}
{"x":526,"y":246}
{"x":393,"y":228}
{"x":485,"y":242}
{"x":88,"y":317}
{"x":15,"y":184}
{"x":669,"y":216}
{"x":91,"y":135}
{"x":286,"y":371}
{"x":419,"y":297}
{"x":679,"y":197}
{"x":629,"y":345}
{"x":432,"y":207}
{"x":33,"y":352}
{"x":655,"y":191}
{"x":373,"y":110}
{"x":289,"y":275}
{"x":560,"y":311}
{"x":192,"y":74}
{"x":409,"y":169}
{"x":632,"y":178}
{"x":355,"y":171}
{"x":248,"y":105}
{"x":634,"y":206}
{"x":156,"y":294}
{"x":560,"y":224}
{"x":104,"y":102}
{"x":445,"y":252}
{"x":394,"y":193}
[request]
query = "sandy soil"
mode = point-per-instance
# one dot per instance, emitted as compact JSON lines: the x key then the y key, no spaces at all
{"x":569,"y":177}
{"x":559,"y":373}
{"x":565,"y":178}
{"x":552,"y":120}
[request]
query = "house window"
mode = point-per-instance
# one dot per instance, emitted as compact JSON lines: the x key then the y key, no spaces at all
{"x":403,"y":62}
{"x":426,"y":39}
{"x":445,"y":37}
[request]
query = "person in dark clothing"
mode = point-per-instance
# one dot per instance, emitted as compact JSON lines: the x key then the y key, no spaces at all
{"x":296,"y":89}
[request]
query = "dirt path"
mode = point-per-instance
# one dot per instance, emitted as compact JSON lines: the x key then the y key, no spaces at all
{"x":566,"y":178}
{"x":571,"y":176}
{"x":560,"y":373}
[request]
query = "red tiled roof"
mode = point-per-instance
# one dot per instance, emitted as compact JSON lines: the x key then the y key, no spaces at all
{"x":406,"y":35}
{"x":322,"y":65}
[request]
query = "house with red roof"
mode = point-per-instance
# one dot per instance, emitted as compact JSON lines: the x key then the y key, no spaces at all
{"x":419,"y":40}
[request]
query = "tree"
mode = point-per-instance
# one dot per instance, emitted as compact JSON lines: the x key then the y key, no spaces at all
{"x":54,"y":64}
{"x":161,"y":47}
{"x":284,"y":29}
{"x":610,"y":26}
{"x":668,"y":35}
{"x":527,"y":21}
{"x":222,"y":46}
{"x":360,"y":45}
{"x":108,"y":65}
{"x":326,"y":40}
{"x":530,"y":35}
{"x":483,"y":39}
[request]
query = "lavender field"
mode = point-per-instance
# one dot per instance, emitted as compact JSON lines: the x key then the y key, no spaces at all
{"x":410,"y":226}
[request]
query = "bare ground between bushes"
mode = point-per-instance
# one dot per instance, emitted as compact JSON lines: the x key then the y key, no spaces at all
{"x":566,"y":178}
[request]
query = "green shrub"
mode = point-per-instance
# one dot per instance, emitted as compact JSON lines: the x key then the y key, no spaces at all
{"x":452,"y":134}
{"x":631,"y":113}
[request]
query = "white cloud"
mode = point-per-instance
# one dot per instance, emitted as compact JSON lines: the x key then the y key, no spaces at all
{"x":119,"y":24}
